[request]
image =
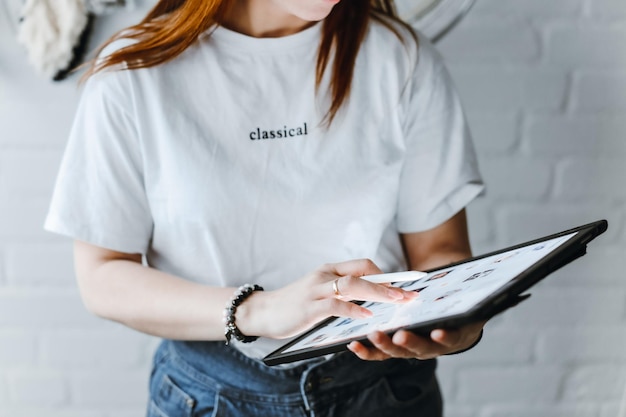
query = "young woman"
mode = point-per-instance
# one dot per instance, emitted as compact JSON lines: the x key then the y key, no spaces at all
{"x":295,"y":145}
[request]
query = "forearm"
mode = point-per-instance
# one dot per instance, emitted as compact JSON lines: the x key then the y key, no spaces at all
{"x":154,"y":302}
{"x":442,"y":245}
{"x":116,"y":286}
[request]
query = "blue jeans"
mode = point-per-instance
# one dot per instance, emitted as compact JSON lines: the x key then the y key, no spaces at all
{"x":210,"y":379}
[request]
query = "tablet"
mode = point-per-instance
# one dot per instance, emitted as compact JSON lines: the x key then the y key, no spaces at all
{"x":449,"y":297}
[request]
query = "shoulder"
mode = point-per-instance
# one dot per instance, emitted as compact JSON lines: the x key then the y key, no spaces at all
{"x":112,"y":82}
{"x":114,"y":46}
{"x":403,"y":53}
{"x":391,"y":37}
{"x":394,"y":42}
{"x":117,"y":44}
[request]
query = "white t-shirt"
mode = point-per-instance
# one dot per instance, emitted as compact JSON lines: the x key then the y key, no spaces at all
{"x":216,"y":166}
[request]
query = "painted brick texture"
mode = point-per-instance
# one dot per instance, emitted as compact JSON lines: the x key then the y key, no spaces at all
{"x":560,"y":161}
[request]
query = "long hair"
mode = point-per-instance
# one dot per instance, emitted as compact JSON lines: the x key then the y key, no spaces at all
{"x":174,"y":25}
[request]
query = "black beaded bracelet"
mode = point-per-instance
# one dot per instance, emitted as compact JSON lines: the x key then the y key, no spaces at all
{"x":231,"y":330}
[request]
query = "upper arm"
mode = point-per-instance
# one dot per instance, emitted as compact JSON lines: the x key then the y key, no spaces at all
{"x":88,"y":256}
{"x":88,"y":259}
{"x":443,"y":244}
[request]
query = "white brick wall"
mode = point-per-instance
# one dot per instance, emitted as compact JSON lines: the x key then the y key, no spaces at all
{"x":56,"y":360}
{"x":550,"y":131}
{"x":532,"y":8}
{"x":577,"y":45}
{"x":544,"y":85}
{"x":41,"y":389}
{"x":18,"y":348}
{"x":503,"y":383}
{"x":580,"y":134}
{"x":543,"y":410}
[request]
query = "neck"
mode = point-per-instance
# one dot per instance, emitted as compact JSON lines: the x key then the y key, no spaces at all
{"x":262,"y":19}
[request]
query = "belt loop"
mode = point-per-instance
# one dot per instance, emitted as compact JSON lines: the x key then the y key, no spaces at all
{"x":307,"y":385}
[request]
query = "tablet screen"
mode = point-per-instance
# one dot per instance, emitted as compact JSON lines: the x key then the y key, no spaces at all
{"x":442,"y":293}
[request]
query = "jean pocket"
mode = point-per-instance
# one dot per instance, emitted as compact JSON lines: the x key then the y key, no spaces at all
{"x":169,"y":400}
{"x":410,"y":391}
{"x":254,"y":406}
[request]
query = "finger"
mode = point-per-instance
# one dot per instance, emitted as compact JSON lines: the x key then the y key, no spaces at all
{"x":448,"y":338}
{"x":352,"y":288}
{"x":367,"y":353}
{"x":419,"y":346}
{"x":356,"y":267}
{"x":325,"y":308}
{"x":458,"y":338}
{"x":386,"y":345}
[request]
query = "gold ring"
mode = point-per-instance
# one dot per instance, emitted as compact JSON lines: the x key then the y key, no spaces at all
{"x":336,"y":289}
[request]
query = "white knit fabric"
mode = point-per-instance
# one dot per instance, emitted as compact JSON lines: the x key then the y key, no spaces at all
{"x":49,"y":30}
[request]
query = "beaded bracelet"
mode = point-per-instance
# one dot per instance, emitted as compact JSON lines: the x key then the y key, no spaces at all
{"x":231,"y":330}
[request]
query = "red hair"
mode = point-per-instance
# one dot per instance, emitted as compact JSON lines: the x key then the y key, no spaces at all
{"x":173,"y":25}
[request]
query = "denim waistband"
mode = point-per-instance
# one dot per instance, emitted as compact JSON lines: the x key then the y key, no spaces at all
{"x":225,"y":366}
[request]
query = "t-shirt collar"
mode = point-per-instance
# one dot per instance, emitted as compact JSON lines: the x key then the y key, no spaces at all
{"x":230,"y":39}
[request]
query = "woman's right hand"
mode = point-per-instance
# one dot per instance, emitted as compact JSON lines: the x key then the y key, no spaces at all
{"x":297,"y":307}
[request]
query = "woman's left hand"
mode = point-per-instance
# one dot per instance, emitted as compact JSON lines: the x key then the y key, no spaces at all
{"x":441,"y":245}
{"x":405,"y":344}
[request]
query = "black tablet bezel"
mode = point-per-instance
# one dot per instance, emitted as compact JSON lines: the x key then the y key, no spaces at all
{"x":498,"y":301}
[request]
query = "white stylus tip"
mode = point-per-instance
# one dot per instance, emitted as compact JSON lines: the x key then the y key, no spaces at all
{"x":395,"y":277}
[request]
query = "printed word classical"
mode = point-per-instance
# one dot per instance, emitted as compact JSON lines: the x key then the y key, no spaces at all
{"x":283,"y":133}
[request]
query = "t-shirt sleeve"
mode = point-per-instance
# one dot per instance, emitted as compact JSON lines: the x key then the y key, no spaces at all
{"x":440,"y":174}
{"x":99,"y":195}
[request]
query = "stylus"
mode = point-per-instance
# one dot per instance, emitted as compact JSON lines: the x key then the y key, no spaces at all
{"x":395,"y":277}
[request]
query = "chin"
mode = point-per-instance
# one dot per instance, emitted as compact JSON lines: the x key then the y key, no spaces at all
{"x":319,"y":10}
